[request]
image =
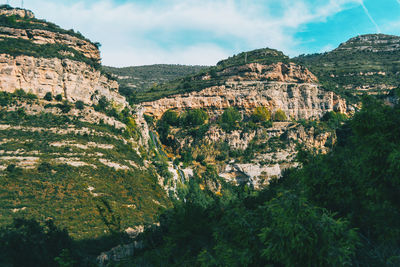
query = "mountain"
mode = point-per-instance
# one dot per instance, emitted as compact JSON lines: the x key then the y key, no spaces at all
{"x":364,"y":64}
{"x":261,"y":160}
{"x":143,"y":78}
{"x":245,"y":116}
{"x":70,"y":145}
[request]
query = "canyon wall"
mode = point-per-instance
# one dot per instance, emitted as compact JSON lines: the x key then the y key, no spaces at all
{"x":288,"y":87}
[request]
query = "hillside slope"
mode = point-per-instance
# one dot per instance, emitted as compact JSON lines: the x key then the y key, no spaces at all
{"x":143,"y":78}
{"x":364,"y":64}
{"x":70,"y":146}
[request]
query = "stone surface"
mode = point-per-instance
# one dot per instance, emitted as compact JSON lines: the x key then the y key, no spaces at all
{"x":72,"y":79}
{"x":289,"y":87}
{"x":17,"y":12}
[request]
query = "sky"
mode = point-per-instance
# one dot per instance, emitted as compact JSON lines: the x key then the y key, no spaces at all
{"x":202,"y":32}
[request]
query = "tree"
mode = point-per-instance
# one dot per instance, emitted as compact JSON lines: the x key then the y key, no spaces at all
{"x":194,"y":117}
{"x":280,"y":115}
{"x":261,"y":114}
{"x":48,"y":96}
{"x":170,"y":117}
{"x":229,"y":119}
{"x":299,"y":234}
{"x":58,"y":97}
{"x":79,"y":104}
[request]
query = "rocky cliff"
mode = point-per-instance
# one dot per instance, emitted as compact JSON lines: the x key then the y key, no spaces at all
{"x":73,"y":79}
{"x":47,"y":58}
{"x":288,"y":87}
{"x":363,"y":64}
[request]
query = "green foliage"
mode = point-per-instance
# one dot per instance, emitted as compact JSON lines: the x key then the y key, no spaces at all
{"x":280,"y":115}
{"x":334,"y":119}
{"x":65,"y":106}
{"x":27,"y":243}
{"x":301,"y":234}
{"x":48,"y":96}
{"x":58,"y":97}
{"x":194,"y":117}
{"x":265,"y":56}
{"x":79,"y":105}
{"x":229,"y":119}
{"x":340,"y":68}
{"x":341,"y":208}
{"x":171,"y":118}
{"x":142,"y":79}
{"x":261,"y":114}
{"x":16,"y":47}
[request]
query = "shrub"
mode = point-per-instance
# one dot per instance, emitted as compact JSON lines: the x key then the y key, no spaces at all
{"x":280,"y":115}
{"x":44,"y":167}
{"x":261,"y":114}
{"x":48,"y":96}
{"x":299,"y":234}
{"x":58,"y":97}
{"x":194,"y":117}
{"x":79,"y":104}
{"x":65,"y":107}
{"x":229,"y":119}
{"x":170,"y":117}
{"x":11,"y":168}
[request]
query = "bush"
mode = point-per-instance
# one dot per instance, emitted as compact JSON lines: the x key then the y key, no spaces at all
{"x":65,"y":107}
{"x":170,"y":117}
{"x":229,"y":119}
{"x":48,"y":96}
{"x":261,"y":114}
{"x":11,"y":168}
{"x":58,"y":97}
{"x":280,"y":115}
{"x":79,"y":104}
{"x":194,"y":117}
{"x":299,"y":234}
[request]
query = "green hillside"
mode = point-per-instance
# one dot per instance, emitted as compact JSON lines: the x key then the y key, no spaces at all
{"x":56,"y":165}
{"x":367,"y":61}
{"x":141,"y":79}
{"x":207,"y":76}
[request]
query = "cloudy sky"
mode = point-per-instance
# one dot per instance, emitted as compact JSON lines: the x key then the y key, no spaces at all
{"x":201,"y":32}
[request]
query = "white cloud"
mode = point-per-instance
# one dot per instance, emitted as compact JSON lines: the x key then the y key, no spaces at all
{"x":125,"y":30}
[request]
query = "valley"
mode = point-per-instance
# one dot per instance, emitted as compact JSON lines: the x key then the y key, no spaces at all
{"x":260,"y":160}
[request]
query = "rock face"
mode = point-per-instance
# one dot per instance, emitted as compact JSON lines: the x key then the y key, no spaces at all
{"x":39,"y":36}
{"x":288,"y":87}
{"x":372,"y":43}
{"x":74,"y":80}
{"x":23,"y":13}
{"x":43,"y":36}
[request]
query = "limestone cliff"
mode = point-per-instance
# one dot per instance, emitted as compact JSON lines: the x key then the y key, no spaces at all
{"x":289,"y":87}
{"x":73,"y":73}
{"x":72,"y":79}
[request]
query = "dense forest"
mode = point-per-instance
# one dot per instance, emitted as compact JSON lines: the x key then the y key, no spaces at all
{"x":341,"y":208}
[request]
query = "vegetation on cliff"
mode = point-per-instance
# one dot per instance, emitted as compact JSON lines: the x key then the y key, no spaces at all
{"x":27,"y":23}
{"x":341,"y":208}
{"x":143,"y":78}
{"x":16,"y":47}
{"x":364,"y":61}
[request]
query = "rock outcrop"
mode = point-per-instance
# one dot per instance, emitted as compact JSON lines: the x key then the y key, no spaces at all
{"x":73,"y":79}
{"x":288,"y":87}
{"x":23,"y":13}
{"x":68,"y":73}
{"x":46,"y":34}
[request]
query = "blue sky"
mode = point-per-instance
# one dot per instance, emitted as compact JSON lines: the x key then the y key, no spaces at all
{"x":202,"y":32}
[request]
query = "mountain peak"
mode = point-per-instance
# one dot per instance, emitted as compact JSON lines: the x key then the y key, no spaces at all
{"x":265,"y":56}
{"x":371,"y":43}
{"x":7,"y":10}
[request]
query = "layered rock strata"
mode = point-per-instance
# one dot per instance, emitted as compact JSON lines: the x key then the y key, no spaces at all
{"x":72,"y":79}
{"x":288,"y":87}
